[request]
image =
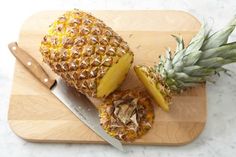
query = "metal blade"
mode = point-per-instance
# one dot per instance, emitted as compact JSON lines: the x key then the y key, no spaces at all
{"x":83,"y":108}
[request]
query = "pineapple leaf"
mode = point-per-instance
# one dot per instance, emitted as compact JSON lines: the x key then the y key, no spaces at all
{"x":203,"y":72}
{"x":219,"y":51}
{"x":191,"y":58}
{"x":187,"y":84}
{"x":229,"y":54}
{"x":214,"y":62}
{"x":197,"y":41}
{"x":188,"y":79}
{"x":178,"y":66}
{"x":203,"y":57}
{"x":195,"y":80}
{"x":190,"y":69}
{"x":178,"y":56}
{"x":211,"y":62}
{"x":180,"y":43}
{"x":168,"y":63}
{"x":181,"y":76}
{"x":221,"y":37}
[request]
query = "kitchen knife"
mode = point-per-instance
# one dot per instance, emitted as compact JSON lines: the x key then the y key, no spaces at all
{"x":77,"y":103}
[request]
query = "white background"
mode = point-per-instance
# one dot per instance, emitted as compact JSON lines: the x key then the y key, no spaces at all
{"x":219,"y":136}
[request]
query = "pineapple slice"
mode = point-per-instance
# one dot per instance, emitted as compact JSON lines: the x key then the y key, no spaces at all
{"x":152,"y":86}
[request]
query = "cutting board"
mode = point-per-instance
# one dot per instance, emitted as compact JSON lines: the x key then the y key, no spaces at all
{"x":36,"y":115}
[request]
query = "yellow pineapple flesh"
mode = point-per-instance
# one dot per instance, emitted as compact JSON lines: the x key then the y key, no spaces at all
{"x":86,"y":53}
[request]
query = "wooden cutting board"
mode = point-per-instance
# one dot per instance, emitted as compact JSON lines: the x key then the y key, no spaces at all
{"x":36,"y":115}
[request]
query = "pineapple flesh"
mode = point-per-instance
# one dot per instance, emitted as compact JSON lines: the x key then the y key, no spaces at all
{"x":86,"y":53}
{"x":126,"y":115}
{"x":188,"y":66}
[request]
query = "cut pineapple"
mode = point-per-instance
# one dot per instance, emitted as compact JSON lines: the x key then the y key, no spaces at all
{"x":86,"y":53}
{"x":152,"y":86}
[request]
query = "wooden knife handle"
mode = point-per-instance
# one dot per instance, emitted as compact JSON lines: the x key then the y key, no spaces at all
{"x":32,"y":65}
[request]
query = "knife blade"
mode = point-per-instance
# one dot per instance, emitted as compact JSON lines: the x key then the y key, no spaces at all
{"x":76,"y":102}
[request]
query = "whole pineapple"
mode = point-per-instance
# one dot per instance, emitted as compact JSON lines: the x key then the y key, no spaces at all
{"x":188,"y":66}
{"x":86,"y":53}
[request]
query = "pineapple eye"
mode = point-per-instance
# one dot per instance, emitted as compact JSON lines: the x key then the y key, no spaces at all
{"x":111,"y":51}
{"x":73,"y":65}
{"x":71,"y":31}
{"x":84,"y":31}
{"x":93,"y":40}
{"x":59,"y":28}
{"x":104,"y":40}
{"x":80,"y":41}
{"x":65,"y":66}
{"x":67,"y":42}
{"x":114,"y":42}
{"x":93,"y":72}
{"x":95,"y":31}
{"x":88,"y":51}
{"x":75,"y":52}
{"x":62,"y":19}
{"x":58,"y":67}
{"x":84,"y":74}
{"x":100,"y":49}
{"x":96,"y":61}
{"x":107,"y":61}
{"x":74,"y":22}
{"x":108,"y":32}
{"x":84,"y":63}
{"x":87,"y":22}
{"x":124,"y":45}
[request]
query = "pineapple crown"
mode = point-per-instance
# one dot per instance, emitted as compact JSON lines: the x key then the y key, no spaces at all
{"x":204,"y":56}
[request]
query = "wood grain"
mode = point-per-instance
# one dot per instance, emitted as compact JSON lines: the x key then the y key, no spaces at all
{"x":36,"y":115}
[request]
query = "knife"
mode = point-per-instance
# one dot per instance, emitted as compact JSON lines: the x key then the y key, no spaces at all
{"x":76,"y":102}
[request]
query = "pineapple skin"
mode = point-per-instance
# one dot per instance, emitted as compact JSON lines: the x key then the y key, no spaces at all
{"x":81,"y":49}
{"x":116,"y":128}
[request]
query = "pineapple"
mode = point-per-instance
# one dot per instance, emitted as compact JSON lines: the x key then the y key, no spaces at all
{"x":188,"y":66}
{"x":126,"y":115}
{"x":86,"y":53}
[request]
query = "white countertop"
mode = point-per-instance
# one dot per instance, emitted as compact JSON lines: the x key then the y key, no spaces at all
{"x":219,"y":136}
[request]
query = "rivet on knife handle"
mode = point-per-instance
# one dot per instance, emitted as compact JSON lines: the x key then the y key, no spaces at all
{"x":32,"y":65}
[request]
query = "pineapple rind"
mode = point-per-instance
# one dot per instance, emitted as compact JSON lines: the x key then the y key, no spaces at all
{"x":114,"y":127}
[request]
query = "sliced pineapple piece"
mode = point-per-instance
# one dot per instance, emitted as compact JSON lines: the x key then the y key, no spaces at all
{"x":153,"y":87}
